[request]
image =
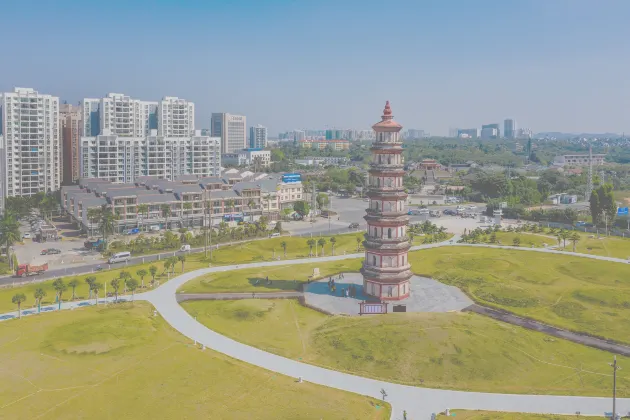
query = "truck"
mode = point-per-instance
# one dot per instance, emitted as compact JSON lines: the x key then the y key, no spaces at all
{"x":24,"y":270}
{"x":94,"y":244}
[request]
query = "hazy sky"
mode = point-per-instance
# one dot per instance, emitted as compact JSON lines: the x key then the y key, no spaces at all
{"x":551,"y":64}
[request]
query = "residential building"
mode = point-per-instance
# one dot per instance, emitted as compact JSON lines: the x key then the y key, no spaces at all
{"x":524,"y":133}
{"x":32,"y":142}
{"x":509,"y":128}
{"x":175,"y":117}
{"x":90,"y":117}
{"x":3,"y":172}
{"x":335,"y":145}
{"x":71,"y":125}
{"x":258,"y":137}
{"x":579,"y":160}
{"x":492,"y":130}
{"x":257,"y":157}
{"x":232,"y":131}
{"x":468,"y":133}
{"x":323,"y":161}
{"x":123,"y":116}
{"x":124,"y":159}
{"x":413,"y":133}
{"x":299,"y":135}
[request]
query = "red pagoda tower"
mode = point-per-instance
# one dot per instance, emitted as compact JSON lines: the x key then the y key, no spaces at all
{"x":386,"y":269}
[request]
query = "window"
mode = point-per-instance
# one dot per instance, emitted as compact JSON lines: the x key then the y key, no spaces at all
{"x":373,"y":260}
{"x":389,"y":233}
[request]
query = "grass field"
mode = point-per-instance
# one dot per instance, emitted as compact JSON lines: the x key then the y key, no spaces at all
{"x":574,"y":293}
{"x":608,"y":246}
{"x":281,"y":277}
{"x":497,"y":415}
{"x":451,"y":350}
{"x":122,"y":363}
{"x":528,"y":240}
{"x":254,"y":251}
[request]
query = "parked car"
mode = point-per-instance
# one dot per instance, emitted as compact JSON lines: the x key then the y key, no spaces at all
{"x":50,"y":251}
{"x":353,"y":226}
{"x":184,"y":248}
{"x":27,"y":235}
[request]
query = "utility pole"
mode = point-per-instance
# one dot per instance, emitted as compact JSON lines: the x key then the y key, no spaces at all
{"x":615,"y":369}
{"x":589,"y":181}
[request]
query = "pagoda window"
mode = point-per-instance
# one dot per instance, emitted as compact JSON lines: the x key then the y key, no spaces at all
{"x":389,"y":159}
{"x":389,"y":233}
{"x":389,"y":182}
{"x":378,"y":182}
{"x":373,"y":260}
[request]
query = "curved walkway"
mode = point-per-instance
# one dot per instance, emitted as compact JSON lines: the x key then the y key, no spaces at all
{"x":418,"y":402}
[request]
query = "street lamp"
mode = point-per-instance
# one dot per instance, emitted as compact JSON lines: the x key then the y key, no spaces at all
{"x":615,"y":369}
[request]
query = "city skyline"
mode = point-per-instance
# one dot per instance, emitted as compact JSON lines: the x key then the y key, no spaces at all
{"x":552,"y":66}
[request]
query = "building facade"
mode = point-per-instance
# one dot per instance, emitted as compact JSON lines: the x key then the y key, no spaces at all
{"x":232,"y":131}
{"x":70,"y":120}
{"x":579,"y":160}
{"x":490,"y":131}
{"x":126,"y":117}
{"x":124,"y":159}
{"x":509,"y":128}
{"x":90,"y":117}
{"x":258,"y":137}
{"x":468,"y":133}
{"x":386,"y":269}
{"x":256,"y":157}
{"x":175,"y":117}
{"x":32,"y":141}
{"x":335,"y":145}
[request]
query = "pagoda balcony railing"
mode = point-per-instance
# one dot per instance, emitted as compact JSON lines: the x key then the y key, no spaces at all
{"x":397,"y":240}
{"x":375,"y":188}
{"x":391,"y":213}
{"x":386,"y":166}
{"x":384,"y":270}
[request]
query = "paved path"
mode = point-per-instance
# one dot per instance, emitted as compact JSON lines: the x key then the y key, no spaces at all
{"x":235,"y":296}
{"x":418,"y":402}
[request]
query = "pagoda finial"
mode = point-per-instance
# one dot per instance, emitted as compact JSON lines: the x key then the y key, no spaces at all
{"x":387,"y":112}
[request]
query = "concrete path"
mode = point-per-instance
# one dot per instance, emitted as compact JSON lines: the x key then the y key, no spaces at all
{"x":181,"y":297}
{"x":418,"y":402}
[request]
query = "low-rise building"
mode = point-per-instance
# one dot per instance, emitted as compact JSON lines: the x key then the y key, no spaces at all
{"x":579,"y":160}
{"x":256,"y":157}
{"x":335,"y":145}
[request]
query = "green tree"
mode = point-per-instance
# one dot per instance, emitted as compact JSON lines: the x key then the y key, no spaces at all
{"x":302,"y":208}
{"x":90,"y":281}
{"x":188,"y":206}
{"x":333,"y":242}
{"x":115,"y":283}
{"x":153,"y":271}
{"x":95,"y":287}
{"x":603,"y":205}
{"x":516,"y":241}
{"x":132,"y":285}
{"x":39,"y":295}
{"x":9,"y":234}
{"x":283,"y":244}
{"x":493,"y":238}
{"x":106,"y":223}
{"x":358,"y":243}
{"x":321,"y":242}
{"x":311,"y":244}
{"x":17,"y":299}
{"x":142,"y":210}
{"x":166,"y":213}
{"x":167,"y":265}
{"x":73,"y":283}
{"x":59,"y":287}
{"x":142,"y":273}
{"x":575,"y":238}
{"x":322,"y":201}
{"x":181,"y":259}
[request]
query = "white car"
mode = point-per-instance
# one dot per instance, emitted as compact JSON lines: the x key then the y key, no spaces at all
{"x":27,"y":235}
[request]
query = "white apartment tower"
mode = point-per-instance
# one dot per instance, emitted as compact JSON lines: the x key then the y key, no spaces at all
{"x":258,"y":137}
{"x":32,"y":145}
{"x":126,"y":117}
{"x":90,"y":117}
{"x":175,"y":117}
{"x":232,"y":129}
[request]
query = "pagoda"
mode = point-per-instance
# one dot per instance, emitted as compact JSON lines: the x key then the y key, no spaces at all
{"x":386,"y":270}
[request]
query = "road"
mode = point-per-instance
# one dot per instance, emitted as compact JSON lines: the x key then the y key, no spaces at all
{"x":419,"y":402}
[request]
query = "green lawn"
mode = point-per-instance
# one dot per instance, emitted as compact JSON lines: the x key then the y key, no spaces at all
{"x":440,"y":350}
{"x":497,"y":415}
{"x":122,"y":363}
{"x":608,"y":246}
{"x":570,"y":292}
{"x":528,"y":240}
{"x":254,"y":251}
{"x":283,"y":278}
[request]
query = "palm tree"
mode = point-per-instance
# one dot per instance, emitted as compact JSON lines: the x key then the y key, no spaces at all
{"x":333,"y":241}
{"x":124,"y":276}
{"x":311,"y":244}
{"x":90,"y":281}
{"x":188,"y":207}
{"x":132,"y":284}
{"x":516,"y":241}
{"x":167,"y":265}
{"x":283,"y":244}
{"x":268,"y":199}
{"x":17,"y":299}
{"x":115,"y":283}
{"x":9,"y":234}
{"x":153,"y":271}
{"x":321,"y":242}
{"x":173,"y":264}
{"x":358,"y":243}
{"x":166,"y":213}
{"x":96,"y":286}
{"x":106,"y":224}
{"x":142,"y":209}
{"x":181,"y":259}
{"x":93,"y":215}
{"x":250,"y":204}
{"x":142,"y":272}
{"x":575,"y":238}
{"x":59,"y":287}
{"x":39,"y":295}
{"x":73,"y":283}
{"x":564,"y":235}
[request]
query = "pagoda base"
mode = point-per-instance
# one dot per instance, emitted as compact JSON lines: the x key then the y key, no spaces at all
{"x":387,"y":291}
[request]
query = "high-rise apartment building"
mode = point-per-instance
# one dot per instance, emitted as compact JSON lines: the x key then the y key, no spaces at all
{"x":175,"y":117}
{"x":127,"y":117}
{"x":124,"y":159}
{"x":90,"y":117}
{"x":71,"y":130}
{"x":490,"y":131}
{"x":32,"y":146}
{"x":468,"y":133}
{"x":258,"y":137}
{"x":232,"y":130}
{"x":509,"y":128}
